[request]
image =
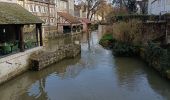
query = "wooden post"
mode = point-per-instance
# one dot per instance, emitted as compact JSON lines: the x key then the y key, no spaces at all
{"x":71,"y":29}
{"x":77,"y":28}
{"x":37,"y":32}
{"x":21,"y":37}
{"x":40,"y":34}
{"x":16,"y":33}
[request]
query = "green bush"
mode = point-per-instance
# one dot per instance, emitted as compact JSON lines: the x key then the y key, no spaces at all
{"x":107,"y":40}
{"x":157,"y":57}
{"x":125,"y":49}
{"x":94,"y":26}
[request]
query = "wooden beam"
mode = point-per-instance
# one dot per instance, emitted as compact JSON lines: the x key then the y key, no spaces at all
{"x":40,"y":34}
{"x":21,"y":37}
{"x":37,"y":32}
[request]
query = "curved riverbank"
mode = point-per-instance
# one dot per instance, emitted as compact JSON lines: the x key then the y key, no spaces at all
{"x":95,"y":75}
{"x":152,"y":53}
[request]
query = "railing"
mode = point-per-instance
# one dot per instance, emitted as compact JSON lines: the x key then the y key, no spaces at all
{"x":7,"y":49}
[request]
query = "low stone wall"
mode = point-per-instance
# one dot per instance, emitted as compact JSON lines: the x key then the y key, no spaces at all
{"x":42,"y":59}
{"x":15,"y":64}
{"x":61,"y":35}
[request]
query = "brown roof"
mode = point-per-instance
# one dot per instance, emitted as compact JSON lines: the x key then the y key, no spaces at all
{"x":69,"y":17}
{"x":86,"y":20}
{"x":11,"y":13}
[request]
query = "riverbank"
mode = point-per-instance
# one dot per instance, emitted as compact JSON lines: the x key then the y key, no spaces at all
{"x":43,"y":59}
{"x":94,"y":75}
{"x":13,"y":65}
{"x":153,"y":54}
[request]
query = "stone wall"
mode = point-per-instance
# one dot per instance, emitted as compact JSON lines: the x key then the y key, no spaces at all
{"x":15,"y":64}
{"x":42,"y":59}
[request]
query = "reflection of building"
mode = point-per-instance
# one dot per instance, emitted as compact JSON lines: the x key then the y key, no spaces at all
{"x":157,"y":7}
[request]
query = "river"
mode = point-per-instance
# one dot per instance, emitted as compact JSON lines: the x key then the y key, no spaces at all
{"x":94,"y":75}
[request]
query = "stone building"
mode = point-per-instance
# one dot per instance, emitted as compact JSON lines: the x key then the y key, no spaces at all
{"x":20,"y":36}
{"x":66,"y":21}
{"x":66,"y":6}
{"x":47,"y":11}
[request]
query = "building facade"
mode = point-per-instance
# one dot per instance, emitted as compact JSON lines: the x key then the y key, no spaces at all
{"x":65,"y":6}
{"x":157,"y":7}
{"x":20,"y":36}
{"x":45,"y":10}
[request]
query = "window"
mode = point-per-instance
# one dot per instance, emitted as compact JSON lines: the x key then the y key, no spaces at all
{"x":31,"y":8}
{"x":34,"y":8}
{"x":39,"y":8}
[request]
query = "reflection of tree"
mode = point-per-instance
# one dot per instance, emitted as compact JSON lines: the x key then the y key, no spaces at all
{"x":53,"y":44}
{"x":42,"y":94}
{"x":129,"y":71}
{"x":158,"y":83}
{"x":88,"y":39}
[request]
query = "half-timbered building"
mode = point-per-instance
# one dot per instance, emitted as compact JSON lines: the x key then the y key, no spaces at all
{"x":68,"y":23}
{"x":45,"y":10}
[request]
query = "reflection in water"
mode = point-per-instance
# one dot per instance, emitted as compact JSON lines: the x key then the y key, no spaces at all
{"x":53,"y":44}
{"x":94,"y":75}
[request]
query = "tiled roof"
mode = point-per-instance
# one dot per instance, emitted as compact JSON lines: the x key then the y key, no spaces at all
{"x":85,"y":20}
{"x":11,"y":13}
{"x":69,"y":17}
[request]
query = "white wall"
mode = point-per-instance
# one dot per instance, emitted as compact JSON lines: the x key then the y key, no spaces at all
{"x":9,"y":1}
{"x":65,"y":6}
{"x":157,"y":7}
{"x":61,"y":5}
{"x":15,"y":64}
{"x":71,"y":7}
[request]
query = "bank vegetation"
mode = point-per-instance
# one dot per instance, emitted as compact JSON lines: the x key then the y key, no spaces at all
{"x":135,"y":37}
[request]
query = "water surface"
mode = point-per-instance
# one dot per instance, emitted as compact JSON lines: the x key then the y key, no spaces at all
{"x":94,"y":75}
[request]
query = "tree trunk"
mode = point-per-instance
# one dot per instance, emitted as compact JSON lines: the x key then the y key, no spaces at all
{"x":91,"y":16}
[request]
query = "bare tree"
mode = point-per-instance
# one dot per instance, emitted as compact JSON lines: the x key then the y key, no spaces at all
{"x":130,"y":5}
{"x":104,"y":9}
{"x":143,"y":6}
{"x":92,"y":7}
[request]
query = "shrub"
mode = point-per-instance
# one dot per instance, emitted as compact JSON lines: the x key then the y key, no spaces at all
{"x":106,"y":40}
{"x":94,"y":26}
{"x":157,"y":57}
{"x":125,"y":49}
{"x":128,"y":32}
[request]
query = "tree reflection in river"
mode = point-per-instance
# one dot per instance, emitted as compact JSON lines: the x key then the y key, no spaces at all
{"x":95,"y":75}
{"x":132,"y":72}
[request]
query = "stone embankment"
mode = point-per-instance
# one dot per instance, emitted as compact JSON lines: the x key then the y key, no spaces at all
{"x":42,"y":59}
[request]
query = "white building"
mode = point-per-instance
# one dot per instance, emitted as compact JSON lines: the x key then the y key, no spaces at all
{"x":9,"y":1}
{"x":157,"y":7}
{"x":65,"y":6}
